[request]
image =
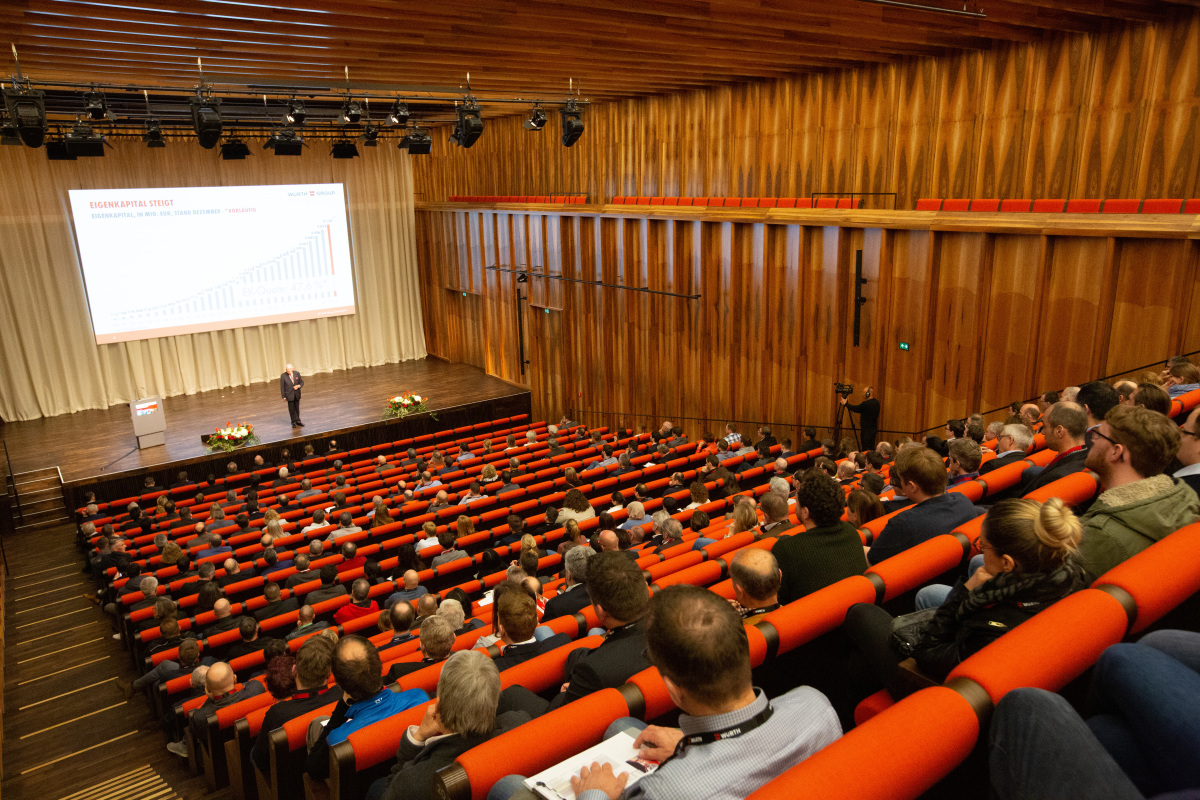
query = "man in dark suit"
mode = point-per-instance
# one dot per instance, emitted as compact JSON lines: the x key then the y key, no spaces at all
{"x":276,"y":605}
{"x":620,"y":598}
{"x":516,"y":614}
{"x":312,"y":674}
{"x":573,"y":597}
{"x":1011,"y":445}
{"x":290,"y":383}
{"x":437,"y":640}
{"x":1065,"y":428}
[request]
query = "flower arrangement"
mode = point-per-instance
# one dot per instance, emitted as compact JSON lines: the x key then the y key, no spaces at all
{"x":232,"y":437}
{"x":404,"y":404}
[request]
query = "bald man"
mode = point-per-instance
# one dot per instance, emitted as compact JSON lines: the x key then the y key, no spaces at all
{"x":219,"y":685}
{"x":408,"y":589}
{"x":226,"y":621}
{"x":290,"y":383}
{"x":756,"y":577}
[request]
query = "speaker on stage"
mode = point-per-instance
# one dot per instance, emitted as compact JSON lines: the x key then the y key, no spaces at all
{"x":149,"y":422}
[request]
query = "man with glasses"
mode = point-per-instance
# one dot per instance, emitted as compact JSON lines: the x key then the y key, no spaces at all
{"x":1189,"y":452}
{"x":1011,"y":445}
{"x":1138,"y":504}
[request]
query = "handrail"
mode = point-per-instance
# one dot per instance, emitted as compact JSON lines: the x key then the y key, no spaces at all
{"x":800,"y":426}
{"x":9,"y":479}
{"x":1105,"y":378}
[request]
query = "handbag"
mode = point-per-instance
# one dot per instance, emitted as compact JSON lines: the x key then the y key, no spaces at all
{"x":907,"y":630}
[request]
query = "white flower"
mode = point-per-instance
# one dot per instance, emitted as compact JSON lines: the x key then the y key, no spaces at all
{"x":417,"y":398}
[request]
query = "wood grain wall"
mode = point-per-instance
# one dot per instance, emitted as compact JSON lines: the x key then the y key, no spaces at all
{"x":994,"y":310}
{"x":1111,"y":114}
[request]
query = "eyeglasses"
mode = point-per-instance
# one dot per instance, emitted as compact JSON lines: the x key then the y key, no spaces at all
{"x":1185,"y":433}
{"x":1097,"y":432}
{"x":981,"y":545}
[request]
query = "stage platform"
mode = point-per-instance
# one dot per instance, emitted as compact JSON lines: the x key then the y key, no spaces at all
{"x":98,"y":446}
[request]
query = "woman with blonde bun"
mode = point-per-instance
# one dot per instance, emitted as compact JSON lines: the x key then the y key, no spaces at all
{"x":1030,"y":561}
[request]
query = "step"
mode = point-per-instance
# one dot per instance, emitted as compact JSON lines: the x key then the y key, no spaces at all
{"x":41,"y":494}
{"x":34,"y":474}
{"x":38,"y":484}
{"x":40,"y":524}
{"x":31,"y":505}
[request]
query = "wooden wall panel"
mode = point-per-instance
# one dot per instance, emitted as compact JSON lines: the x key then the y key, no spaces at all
{"x":1071,"y":311}
{"x":1151,"y":276}
{"x":1011,"y":332}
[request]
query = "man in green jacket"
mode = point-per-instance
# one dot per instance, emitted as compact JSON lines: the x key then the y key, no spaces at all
{"x":1138,"y":505}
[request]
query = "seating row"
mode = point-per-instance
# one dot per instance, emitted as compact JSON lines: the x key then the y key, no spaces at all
{"x":570,"y":199}
{"x":1082,"y":206}
{"x":742,"y":202}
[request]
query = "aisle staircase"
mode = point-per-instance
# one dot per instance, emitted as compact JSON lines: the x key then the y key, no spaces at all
{"x":35,"y":499}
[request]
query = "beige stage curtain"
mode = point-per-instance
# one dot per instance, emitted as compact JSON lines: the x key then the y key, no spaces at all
{"x":49,"y":360}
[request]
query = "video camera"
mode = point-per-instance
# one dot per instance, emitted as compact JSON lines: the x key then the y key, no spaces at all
{"x":844,"y":389}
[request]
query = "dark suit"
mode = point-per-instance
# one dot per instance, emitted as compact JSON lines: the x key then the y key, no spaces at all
{"x":289,"y":388}
{"x":567,"y":602}
{"x":1000,"y":461}
{"x":399,"y":670}
{"x":277,"y":608}
{"x":621,"y":656}
{"x":520,"y":653}
{"x":1061,"y":468}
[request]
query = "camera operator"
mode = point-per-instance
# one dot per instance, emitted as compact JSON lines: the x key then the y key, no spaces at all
{"x":868,"y":417}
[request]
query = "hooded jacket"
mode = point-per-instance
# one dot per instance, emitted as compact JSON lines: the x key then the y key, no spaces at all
{"x":1125,"y":520}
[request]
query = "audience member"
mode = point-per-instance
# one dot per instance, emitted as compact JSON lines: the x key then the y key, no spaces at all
{"x":436,"y":640}
{"x":328,"y":589}
{"x":360,"y":604}
{"x":756,"y":577}
{"x":826,"y":552}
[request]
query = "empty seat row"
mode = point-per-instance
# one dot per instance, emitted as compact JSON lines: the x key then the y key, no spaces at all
{"x":571,"y":199}
{"x":1085,"y":206}
{"x":742,"y":202}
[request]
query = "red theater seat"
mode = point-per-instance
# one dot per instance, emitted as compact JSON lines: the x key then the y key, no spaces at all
{"x":670,"y":201}
{"x":656,"y":201}
{"x":1049,"y":206}
{"x":1162,"y":206}
{"x":786,"y":202}
{"x":1191,"y":207}
{"x":1083,"y":206}
{"x":956,"y":205}
{"x":804,"y":202}
{"x":929,"y":204}
{"x":767,"y":202}
{"x":1015,"y":205}
{"x":826,"y":202}
{"x":684,"y":201}
{"x":985,"y":205}
{"x":1122,"y":206}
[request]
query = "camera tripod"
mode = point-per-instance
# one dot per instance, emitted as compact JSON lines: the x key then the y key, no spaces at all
{"x":844,"y":412}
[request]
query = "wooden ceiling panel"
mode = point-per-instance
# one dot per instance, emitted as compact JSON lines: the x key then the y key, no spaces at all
{"x":612,"y":48}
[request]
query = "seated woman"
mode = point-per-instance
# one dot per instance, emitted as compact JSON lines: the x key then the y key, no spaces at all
{"x":576,"y":507}
{"x":1030,"y":561}
{"x":862,"y":507}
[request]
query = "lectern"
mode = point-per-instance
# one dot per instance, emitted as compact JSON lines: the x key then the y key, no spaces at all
{"x":149,"y":422}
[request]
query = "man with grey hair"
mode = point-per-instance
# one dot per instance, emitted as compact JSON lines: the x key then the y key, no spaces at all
{"x":1011,"y":443}
{"x":779,"y":485}
{"x":1069,"y":394}
{"x":573,"y":597}
{"x":149,"y":589}
{"x":452,"y":611}
{"x":756,"y":578}
{"x":282,"y":480}
{"x":463,"y":716}
{"x":160,"y":540}
{"x":290,"y":384}
{"x":435,"y":644}
{"x":637,"y":516}
{"x":345,"y":527}
{"x":994,"y":429}
{"x":672,"y":534}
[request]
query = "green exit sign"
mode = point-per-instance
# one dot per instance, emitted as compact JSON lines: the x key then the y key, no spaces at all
{"x":904,"y":345}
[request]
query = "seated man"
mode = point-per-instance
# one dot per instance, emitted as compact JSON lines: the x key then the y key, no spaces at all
{"x":276,"y":605}
{"x":329,"y":587}
{"x":1011,"y":444}
{"x":516,"y":618}
{"x":411,"y":591}
{"x":755,"y":575}
{"x":360,"y":604}
{"x":1138,"y":505}
{"x":225,"y":619}
{"x":306,"y":624}
{"x":437,"y":640}
{"x":219,"y":684}
{"x":572,"y":597}
{"x":463,"y":716}
{"x":1065,"y":428}
{"x":731,"y":738}
{"x":250,"y":642}
{"x":187,"y":661}
{"x":345,"y":527}
{"x":828,"y":551}
{"x":935,"y":511}
{"x":365,"y":699}
{"x":964,"y":460}
{"x":350,"y":558}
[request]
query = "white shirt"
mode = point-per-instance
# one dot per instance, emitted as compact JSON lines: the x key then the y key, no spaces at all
{"x":1190,"y":469}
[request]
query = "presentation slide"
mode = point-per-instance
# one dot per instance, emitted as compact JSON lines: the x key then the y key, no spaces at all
{"x":163,"y":262}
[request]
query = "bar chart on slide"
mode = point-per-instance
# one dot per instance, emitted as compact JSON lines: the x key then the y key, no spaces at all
{"x":159,"y":262}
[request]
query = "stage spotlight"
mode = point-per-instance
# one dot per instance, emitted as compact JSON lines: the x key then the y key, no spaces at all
{"x":206,"y":119}
{"x":399,"y":114}
{"x":234,"y":150}
{"x":83,"y":141}
{"x":572,"y":123}
{"x":57,"y":150}
{"x":522,"y":277}
{"x":295,"y":112}
{"x":27,"y":113}
{"x":370,"y":137}
{"x":351,"y":113}
{"x":469,"y":127}
{"x":153,"y":137}
{"x":285,"y":142}
{"x":96,"y":106}
{"x":418,"y":142}
{"x":344,"y":148}
{"x":537,"y":119}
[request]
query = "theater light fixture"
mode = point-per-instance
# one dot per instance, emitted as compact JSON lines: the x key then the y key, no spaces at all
{"x":285,"y":142}
{"x":295,"y":112}
{"x":351,"y":113}
{"x":27,"y":113}
{"x":83,"y":141}
{"x":399,"y":114}
{"x":469,"y":127}
{"x":153,"y":137}
{"x":8,"y":133}
{"x":234,"y":150}
{"x":418,"y":142}
{"x":537,"y":119}
{"x":344,"y":148}
{"x":370,"y":137}
{"x":206,"y":119}
{"x":96,"y":107}
{"x":572,"y":123}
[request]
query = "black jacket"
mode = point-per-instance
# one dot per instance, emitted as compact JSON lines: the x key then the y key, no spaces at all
{"x":567,"y":602}
{"x":621,"y":656}
{"x":278,"y":607}
{"x":280,"y":713}
{"x":520,"y":653}
{"x":1000,"y":461}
